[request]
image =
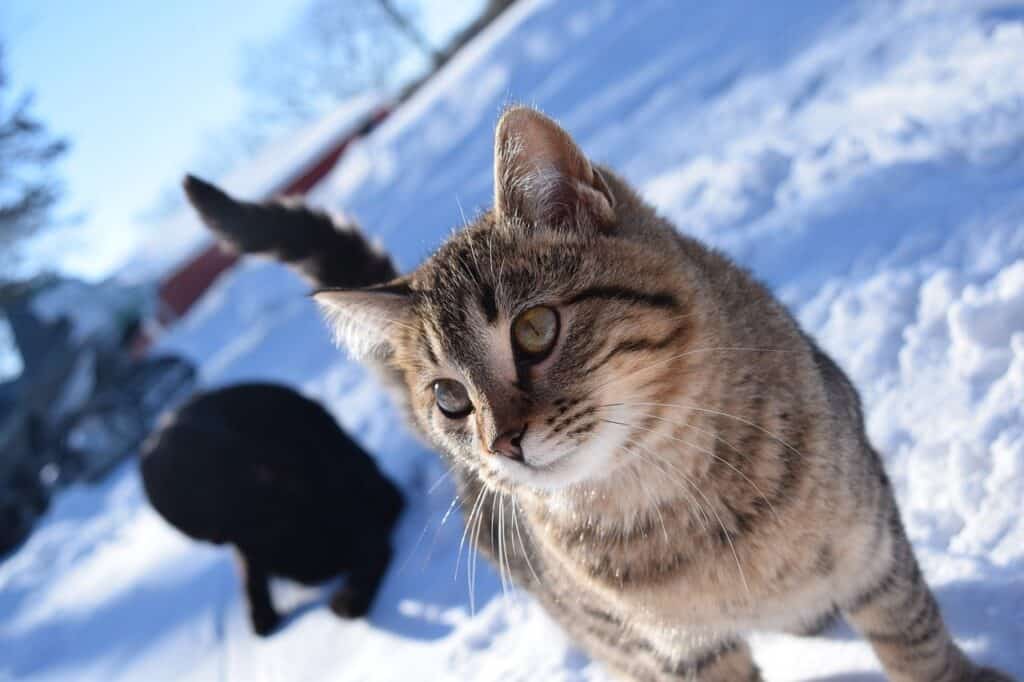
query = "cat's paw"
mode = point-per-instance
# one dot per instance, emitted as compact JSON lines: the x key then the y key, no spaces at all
{"x":348,"y":603}
{"x":264,"y":623}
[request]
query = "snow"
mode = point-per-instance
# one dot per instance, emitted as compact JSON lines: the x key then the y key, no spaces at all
{"x":866,"y":160}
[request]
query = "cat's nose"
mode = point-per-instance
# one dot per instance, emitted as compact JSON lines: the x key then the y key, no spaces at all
{"x":509,"y":444}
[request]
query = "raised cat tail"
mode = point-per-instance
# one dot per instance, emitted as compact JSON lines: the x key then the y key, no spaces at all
{"x":327,"y":251}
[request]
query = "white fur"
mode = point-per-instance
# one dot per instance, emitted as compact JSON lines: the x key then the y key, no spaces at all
{"x":363,"y":322}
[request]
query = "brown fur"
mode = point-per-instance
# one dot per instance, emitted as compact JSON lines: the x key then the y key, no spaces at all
{"x":693,"y":467}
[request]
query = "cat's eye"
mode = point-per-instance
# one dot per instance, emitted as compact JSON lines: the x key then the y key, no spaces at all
{"x":452,"y":398}
{"x":534,"y":332}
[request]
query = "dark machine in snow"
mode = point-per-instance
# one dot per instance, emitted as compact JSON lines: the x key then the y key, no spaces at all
{"x":72,"y":405}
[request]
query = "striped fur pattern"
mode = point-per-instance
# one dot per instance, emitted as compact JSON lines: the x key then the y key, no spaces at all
{"x":689,"y":466}
{"x":321,"y":247}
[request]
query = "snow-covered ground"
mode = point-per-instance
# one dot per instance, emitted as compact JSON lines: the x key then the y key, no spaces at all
{"x":867,"y":160}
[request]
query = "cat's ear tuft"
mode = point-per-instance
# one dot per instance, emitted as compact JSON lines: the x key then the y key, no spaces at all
{"x":541,"y":176}
{"x":367,"y":321}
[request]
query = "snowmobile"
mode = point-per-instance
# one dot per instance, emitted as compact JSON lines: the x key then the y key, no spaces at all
{"x":76,"y":410}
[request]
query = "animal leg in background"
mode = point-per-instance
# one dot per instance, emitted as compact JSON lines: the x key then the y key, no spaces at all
{"x":257,"y":590}
{"x":355,"y":597}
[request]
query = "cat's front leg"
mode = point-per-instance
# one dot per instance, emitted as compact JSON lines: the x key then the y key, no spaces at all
{"x":897,"y":613}
{"x":727,"y":661}
{"x":262,"y":615}
{"x":355,"y":597}
{"x":635,"y":657}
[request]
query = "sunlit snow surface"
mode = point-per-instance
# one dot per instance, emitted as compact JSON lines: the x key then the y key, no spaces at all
{"x":866,"y":160}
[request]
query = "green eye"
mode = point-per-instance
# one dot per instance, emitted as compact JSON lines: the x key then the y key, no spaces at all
{"x":535,"y":331}
{"x":452,"y":398}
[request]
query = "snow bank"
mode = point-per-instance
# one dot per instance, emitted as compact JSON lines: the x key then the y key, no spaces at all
{"x":864,"y":159}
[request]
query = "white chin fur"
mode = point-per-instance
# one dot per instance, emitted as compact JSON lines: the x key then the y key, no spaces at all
{"x":594,"y":460}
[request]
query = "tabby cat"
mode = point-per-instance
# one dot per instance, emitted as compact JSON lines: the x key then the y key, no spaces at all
{"x":641,"y":434}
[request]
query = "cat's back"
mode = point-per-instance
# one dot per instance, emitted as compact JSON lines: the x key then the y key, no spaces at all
{"x":274,"y":425}
{"x":254,"y":456}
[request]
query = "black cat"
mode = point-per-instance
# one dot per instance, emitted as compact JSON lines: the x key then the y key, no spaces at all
{"x":262,"y":468}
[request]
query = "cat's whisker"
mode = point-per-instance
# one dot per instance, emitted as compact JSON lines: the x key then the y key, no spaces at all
{"x":496,"y":540}
{"x":650,"y":497}
{"x":496,"y":544}
{"x":698,"y":511}
{"x":437,"y":531}
{"x":492,"y":518}
{"x":509,"y":548}
{"x":730,"y":465}
{"x":499,"y":284}
{"x":462,"y":213}
{"x":448,"y":512}
{"x":466,"y":265}
{"x":475,"y":512}
{"x":472,"y":246}
{"x":522,"y":543}
{"x":697,"y":408}
{"x":705,"y":451}
{"x":725,"y":531}
{"x":679,"y":477}
{"x":467,"y":524}
{"x":721,"y":523}
{"x":655,"y":503}
{"x":681,"y":316}
{"x":426,"y":525}
{"x":474,"y":548}
{"x":502,"y":563}
{"x":490,"y":258}
{"x":440,"y":480}
{"x":505,"y":540}
{"x":415,"y":548}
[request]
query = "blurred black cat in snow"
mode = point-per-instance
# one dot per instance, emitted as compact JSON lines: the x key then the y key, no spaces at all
{"x":262,"y":468}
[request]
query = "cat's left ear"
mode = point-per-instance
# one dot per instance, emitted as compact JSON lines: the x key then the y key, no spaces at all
{"x":368,"y":321}
{"x":541,"y":176}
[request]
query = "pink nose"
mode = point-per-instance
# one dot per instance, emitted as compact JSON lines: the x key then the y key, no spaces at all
{"x":509,"y":444}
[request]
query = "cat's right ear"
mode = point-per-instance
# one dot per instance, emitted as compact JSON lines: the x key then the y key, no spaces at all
{"x":542,"y":176}
{"x":368,"y":321}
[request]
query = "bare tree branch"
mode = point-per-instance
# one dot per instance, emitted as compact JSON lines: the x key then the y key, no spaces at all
{"x":333,"y":51}
{"x":28,"y":188}
{"x":403,"y":23}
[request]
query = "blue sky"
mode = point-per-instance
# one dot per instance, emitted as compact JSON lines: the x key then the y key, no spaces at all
{"x":137,"y":87}
{"x":133,"y":85}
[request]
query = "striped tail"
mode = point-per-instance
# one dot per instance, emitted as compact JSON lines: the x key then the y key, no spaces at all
{"x":325,"y":251}
{"x":329,"y":253}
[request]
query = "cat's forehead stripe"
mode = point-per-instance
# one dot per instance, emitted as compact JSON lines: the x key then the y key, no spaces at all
{"x":428,"y":349}
{"x":488,"y":303}
{"x":625,"y":294}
